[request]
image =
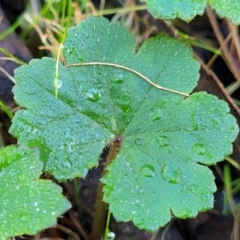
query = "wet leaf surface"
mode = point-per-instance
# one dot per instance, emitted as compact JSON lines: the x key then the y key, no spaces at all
{"x":26,"y":202}
{"x":102,"y":94}
{"x":227,"y":9}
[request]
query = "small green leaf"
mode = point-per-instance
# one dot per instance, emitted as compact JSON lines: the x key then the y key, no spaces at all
{"x":107,"y":92}
{"x":171,"y":9}
{"x":229,"y":9}
{"x":27,"y":203}
{"x":188,"y":9}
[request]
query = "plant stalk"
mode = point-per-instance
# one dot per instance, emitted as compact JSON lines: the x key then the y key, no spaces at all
{"x":100,"y":215}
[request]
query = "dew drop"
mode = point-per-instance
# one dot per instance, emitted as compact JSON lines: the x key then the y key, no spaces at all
{"x":216,"y":120}
{"x":157,"y":114}
{"x":99,"y":72}
{"x":210,"y":155}
{"x":138,"y":141}
{"x":24,"y":218}
{"x":185,"y":213}
{"x":148,"y":170}
{"x":93,"y":95}
{"x":85,"y":34}
{"x":163,"y":141}
{"x":98,"y":39}
{"x":117,"y":80}
{"x":169,"y":174}
{"x":110,"y":236}
{"x":193,"y":188}
{"x":140,"y":222}
{"x":59,"y":83}
{"x":199,"y":149}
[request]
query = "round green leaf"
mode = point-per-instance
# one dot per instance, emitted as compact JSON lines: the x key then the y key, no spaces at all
{"x":27,"y":203}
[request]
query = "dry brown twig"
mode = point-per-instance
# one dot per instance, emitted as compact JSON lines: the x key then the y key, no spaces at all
{"x":228,"y":58}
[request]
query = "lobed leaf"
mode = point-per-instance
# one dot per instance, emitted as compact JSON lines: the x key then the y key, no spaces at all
{"x":27,"y":203}
{"x":157,"y":172}
{"x":103,"y":95}
{"x":96,"y":103}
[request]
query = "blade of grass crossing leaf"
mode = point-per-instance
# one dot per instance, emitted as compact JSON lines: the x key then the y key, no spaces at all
{"x":58,"y":82}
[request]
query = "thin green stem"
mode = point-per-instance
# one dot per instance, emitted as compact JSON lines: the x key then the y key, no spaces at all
{"x":232,"y":162}
{"x":228,"y":185}
{"x":99,"y":221}
{"x":130,"y":70}
{"x":107,"y":224}
{"x":36,"y":19}
{"x":229,"y":196}
{"x":6,"y":110}
{"x":56,"y":79}
{"x":11,"y":56}
{"x":198,"y":43}
{"x":12,"y":28}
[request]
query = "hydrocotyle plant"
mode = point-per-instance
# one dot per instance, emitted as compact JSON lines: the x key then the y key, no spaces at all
{"x":107,"y":91}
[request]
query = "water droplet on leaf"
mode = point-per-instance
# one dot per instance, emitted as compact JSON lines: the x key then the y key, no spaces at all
{"x":125,"y":107}
{"x":117,"y":80}
{"x":193,"y":188}
{"x":157,"y":114}
{"x":59,"y":83}
{"x":85,"y":34}
{"x":138,"y":141}
{"x":99,"y":72}
{"x":185,"y":213}
{"x":110,"y":236}
{"x":24,"y":218}
{"x":199,"y":149}
{"x":169,"y":174}
{"x":163,"y":141}
{"x":148,"y":170}
{"x":216,"y":120}
{"x":93,"y":95}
